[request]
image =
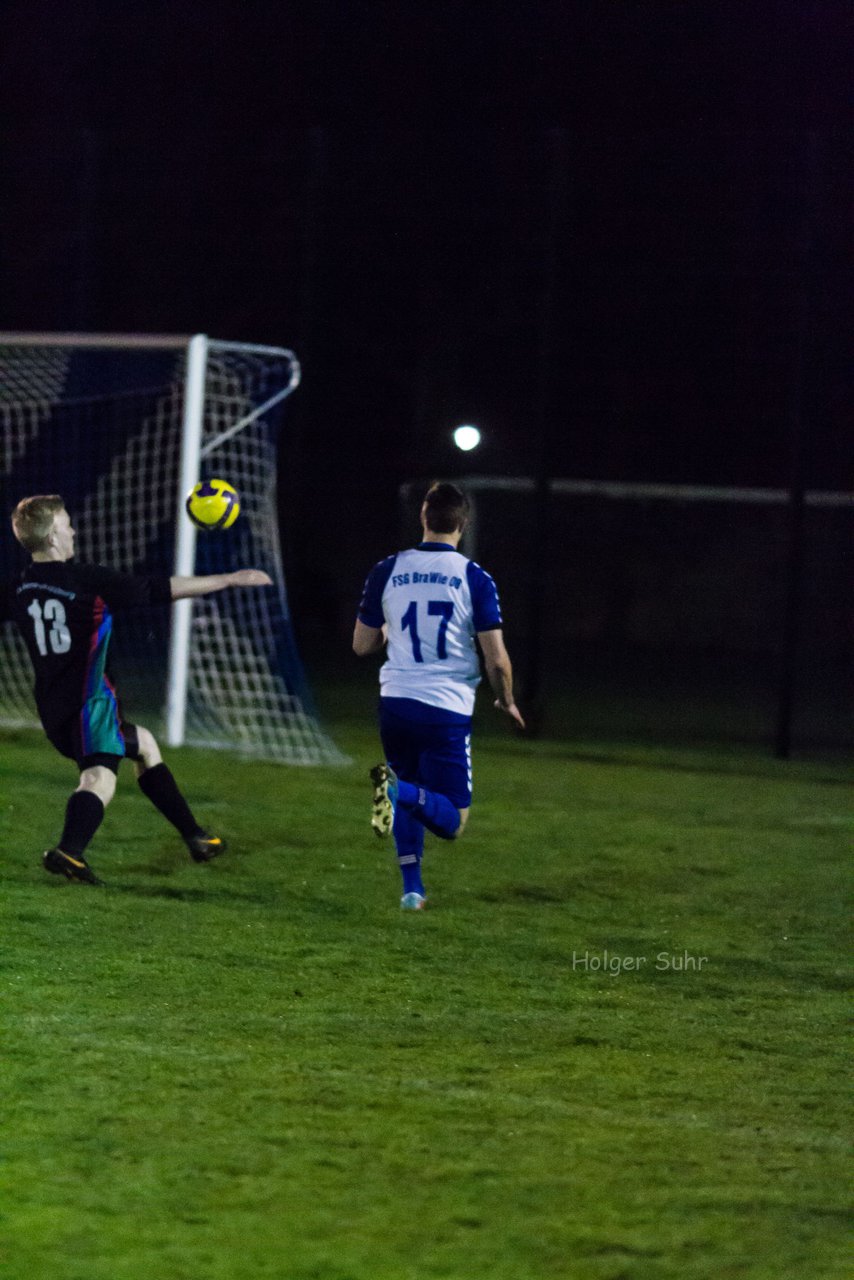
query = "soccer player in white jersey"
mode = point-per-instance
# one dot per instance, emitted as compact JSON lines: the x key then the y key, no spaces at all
{"x":427,"y":605}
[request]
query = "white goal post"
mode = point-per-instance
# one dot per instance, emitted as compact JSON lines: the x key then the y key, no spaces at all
{"x":123,"y":426}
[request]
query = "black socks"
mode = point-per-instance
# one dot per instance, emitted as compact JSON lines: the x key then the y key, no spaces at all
{"x":85,"y":810}
{"x":161,"y":789}
{"x":83,"y":815}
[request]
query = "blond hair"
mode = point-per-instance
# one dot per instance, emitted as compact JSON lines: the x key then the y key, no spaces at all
{"x":32,"y":520}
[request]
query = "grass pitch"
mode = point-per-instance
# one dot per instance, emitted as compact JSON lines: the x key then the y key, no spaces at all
{"x":611,"y":1048}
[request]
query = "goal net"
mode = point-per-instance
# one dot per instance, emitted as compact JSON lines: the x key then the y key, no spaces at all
{"x":123,"y":427}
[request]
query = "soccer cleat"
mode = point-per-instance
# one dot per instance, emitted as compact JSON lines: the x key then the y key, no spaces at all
{"x":413,"y":902}
{"x":203,"y":848}
{"x":64,"y":864}
{"x":384,"y":779}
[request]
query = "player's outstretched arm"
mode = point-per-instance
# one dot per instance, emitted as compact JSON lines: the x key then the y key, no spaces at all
{"x":499,"y":672}
{"x":207,"y":584}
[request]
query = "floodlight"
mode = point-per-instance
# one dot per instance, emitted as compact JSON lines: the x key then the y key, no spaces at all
{"x":466,"y":437}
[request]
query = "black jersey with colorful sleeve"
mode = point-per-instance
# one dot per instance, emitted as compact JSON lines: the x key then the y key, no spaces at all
{"x":64,"y":612}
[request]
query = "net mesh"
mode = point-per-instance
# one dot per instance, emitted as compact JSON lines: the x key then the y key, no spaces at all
{"x":103,"y":427}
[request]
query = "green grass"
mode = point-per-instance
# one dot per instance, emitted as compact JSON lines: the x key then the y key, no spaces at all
{"x":262,"y":1068}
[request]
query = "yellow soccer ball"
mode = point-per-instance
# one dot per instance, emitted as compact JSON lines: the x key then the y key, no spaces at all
{"x":213,"y":504}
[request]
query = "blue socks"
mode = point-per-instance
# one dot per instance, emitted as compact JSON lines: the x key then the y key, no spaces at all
{"x":433,"y":810}
{"x":417,"y":809}
{"x":409,"y":839}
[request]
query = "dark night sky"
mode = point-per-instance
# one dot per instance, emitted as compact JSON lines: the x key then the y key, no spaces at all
{"x":603,"y":229}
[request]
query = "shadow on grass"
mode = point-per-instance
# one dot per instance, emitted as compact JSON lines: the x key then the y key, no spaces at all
{"x":521,"y":893}
{"x":176,"y":893}
{"x":830,"y":773}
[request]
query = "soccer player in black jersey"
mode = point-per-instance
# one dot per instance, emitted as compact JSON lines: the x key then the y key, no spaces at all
{"x":64,"y":612}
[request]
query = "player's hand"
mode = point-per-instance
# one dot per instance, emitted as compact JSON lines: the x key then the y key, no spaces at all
{"x":513,"y":711}
{"x":250,"y":578}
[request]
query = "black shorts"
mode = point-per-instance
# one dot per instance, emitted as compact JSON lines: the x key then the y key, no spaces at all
{"x":75,"y":739}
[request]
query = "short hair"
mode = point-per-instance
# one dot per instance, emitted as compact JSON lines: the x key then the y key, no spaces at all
{"x":32,"y":519}
{"x":446,"y":508}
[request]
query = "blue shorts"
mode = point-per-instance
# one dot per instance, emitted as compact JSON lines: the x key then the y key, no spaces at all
{"x":432,"y":754}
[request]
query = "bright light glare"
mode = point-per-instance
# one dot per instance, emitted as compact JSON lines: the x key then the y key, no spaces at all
{"x":466,"y":438}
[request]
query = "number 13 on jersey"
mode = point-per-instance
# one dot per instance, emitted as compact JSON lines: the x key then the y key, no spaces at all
{"x":59,"y":635}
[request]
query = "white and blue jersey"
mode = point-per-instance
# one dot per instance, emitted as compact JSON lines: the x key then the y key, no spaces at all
{"x":433,"y":600}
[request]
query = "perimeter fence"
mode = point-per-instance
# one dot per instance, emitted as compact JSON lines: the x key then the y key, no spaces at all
{"x":659,"y":612}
